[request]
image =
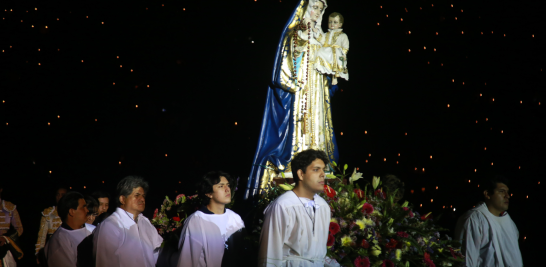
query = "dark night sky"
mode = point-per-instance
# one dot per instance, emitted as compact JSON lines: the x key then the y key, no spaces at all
{"x":204,"y":71}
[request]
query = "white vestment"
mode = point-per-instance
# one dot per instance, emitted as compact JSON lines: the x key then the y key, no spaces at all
{"x":62,"y":248}
{"x":490,"y":241}
{"x":328,"y":58}
{"x":119,"y":241}
{"x":289,"y":236}
{"x":204,"y":236}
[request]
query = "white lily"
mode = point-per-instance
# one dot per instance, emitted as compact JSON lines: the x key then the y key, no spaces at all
{"x":375,"y":182}
{"x":355,"y":176}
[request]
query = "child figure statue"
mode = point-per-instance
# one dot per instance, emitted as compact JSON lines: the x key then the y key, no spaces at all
{"x":331,"y":59}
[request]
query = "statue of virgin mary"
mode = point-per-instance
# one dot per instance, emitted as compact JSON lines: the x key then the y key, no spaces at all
{"x":297,"y":113}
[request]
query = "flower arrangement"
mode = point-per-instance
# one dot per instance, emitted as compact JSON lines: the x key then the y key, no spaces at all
{"x":168,"y":218}
{"x":369,"y":228}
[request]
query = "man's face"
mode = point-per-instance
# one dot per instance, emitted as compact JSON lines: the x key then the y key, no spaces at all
{"x":313,"y":178}
{"x":135,"y":202}
{"x":60,"y":193}
{"x":500,"y":199}
{"x":80,"y":215}
{"x":316,"y":10}
{"x":91,"y":217}
{"x":104,"y":202}
{"x":333,"y":23}
{"x":221,"y":192}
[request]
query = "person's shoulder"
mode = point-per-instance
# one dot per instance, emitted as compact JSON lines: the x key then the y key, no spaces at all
{"x":287,"y":199}
{"x":48,"y":211}
{"x":234,"y":215}
{"x":8,"y":206}
{"x":321,"y":201}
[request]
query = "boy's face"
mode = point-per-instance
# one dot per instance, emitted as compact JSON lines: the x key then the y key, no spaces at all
{"x":333,"y":23}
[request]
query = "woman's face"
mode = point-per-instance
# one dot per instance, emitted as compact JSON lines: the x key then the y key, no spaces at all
{"x":316,"y":11}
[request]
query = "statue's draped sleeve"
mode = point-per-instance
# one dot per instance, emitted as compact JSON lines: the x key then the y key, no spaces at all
{"x":275,"y":141}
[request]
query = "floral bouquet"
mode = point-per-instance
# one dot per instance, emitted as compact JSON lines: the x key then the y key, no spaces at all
{"x":168,"y":219}
{"x":369,"y":228}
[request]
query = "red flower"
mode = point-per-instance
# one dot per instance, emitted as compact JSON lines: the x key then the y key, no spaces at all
{"x":367,"y":208}
{"x":330,"y":192}
{"x":362,"y":262}
{"x":176,"y":219}
{"x":427,"y":256}
{"x":452,"y":253}
{"x":331,"y":240}
{"x":387,"y":263}
{"x":426,"y":217}
{"x":380,"y":193}
{"x":403,"y":234}
{"x":392,"y":244}
{"x":155,"y":213}
{"x":429,"y":263}
{"x":359,"y":193}
{"x":334,"y":228}
{"x":365,"y":244}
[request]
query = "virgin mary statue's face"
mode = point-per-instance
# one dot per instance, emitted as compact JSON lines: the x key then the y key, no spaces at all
{"x":316,"y":10}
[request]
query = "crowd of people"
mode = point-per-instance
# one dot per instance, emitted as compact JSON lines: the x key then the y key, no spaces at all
{"x":80,"y":232}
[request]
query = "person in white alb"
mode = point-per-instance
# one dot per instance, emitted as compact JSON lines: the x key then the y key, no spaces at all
{"x":213,"y":236}
{"x":127,"y":238}
{"x":62,"y":248}
{"x":488,"y":235}
{"x":295,"y":229}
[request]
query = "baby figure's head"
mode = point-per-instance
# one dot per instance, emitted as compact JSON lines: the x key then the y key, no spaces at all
{"x":335,"y":21}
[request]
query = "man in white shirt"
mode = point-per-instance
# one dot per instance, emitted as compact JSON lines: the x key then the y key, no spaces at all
{"x":295,"y":229}
{"x":61,"y":249}
{"x":487,"y":233}
{"x":213,"y":235}
{"x":127,"y":238}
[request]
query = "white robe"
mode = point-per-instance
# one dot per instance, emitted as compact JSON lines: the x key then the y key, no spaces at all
{"x":288,"y":238}
{"x":62,"y":248}
{"x":203,"y":238}
{"x":490,"y":241}
{"x":119,"y":241}
{"x":335,"y":44}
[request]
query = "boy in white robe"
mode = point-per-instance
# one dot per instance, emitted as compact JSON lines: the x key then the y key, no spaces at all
{"x":331,"y":59}
{"x":487,"y":233}
{"x":127,"y":238}
{"x":295,"y":229}
{"x":62,"y":248}
{"x":213,"y":235}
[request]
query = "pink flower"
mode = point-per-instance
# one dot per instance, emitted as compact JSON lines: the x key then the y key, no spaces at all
{"x":387,"y":263}
{"x":362,"y":262}
{"x":155,"y":213}
{"x":403,"y":234}
{"x":367,"y":208}
{"x":452,"y":253}
{"x":365,"y":244}
{"x":179,"y":197}
{"x":410,"y":212}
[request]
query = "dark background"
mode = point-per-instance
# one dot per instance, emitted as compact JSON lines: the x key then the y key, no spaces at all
{"x":208,"y":64}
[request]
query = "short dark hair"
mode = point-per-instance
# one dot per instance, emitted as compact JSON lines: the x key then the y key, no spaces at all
{"x":205,"y":185}
{"x":303,"y":159}
{"x":100,"y":194}
{"x":128,"y":184}
{"x":70,"y":200}
{"x":336,"y":14}
{"x":490,"y":183}
{"x":92,"y":204}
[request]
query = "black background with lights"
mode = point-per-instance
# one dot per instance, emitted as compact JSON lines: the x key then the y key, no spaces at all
{"x":187,"y":94}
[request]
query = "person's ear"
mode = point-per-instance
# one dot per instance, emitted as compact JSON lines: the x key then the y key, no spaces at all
{"x":71,"y":212}
{"x":209,"y":195}
{"x":486,"y":194}
{"x":300,"y":175}
{"x":122,"y":200}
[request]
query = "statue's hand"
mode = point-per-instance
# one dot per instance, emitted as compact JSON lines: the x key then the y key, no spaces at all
{"x":334,"y":81}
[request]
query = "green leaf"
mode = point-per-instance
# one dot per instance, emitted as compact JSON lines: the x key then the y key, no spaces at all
{"x":331,"y":176}
{"x":345,"y":167}
{"x":334,"y":163}
{"x":282,"y":174}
